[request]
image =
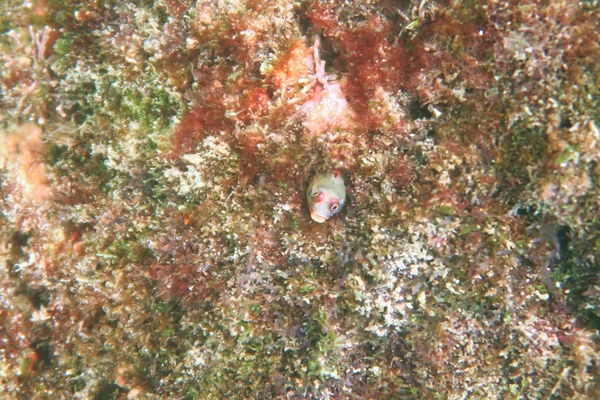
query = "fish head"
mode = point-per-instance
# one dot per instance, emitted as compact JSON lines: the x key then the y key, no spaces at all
{"x":326,"y":195}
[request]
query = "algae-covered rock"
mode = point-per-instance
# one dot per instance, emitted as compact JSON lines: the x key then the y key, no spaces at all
{"x":157,"y":239}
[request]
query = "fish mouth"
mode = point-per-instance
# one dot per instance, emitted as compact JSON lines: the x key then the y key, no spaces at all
{"x":317,"y":217}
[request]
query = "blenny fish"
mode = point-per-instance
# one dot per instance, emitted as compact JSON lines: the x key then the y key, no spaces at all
{"x":326,"y":195}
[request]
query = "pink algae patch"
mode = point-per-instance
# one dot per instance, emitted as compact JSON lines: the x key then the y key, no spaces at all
{"x":323,"y":104}
{"x":327,"y":109}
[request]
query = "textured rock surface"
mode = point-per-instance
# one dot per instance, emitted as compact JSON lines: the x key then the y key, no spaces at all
{"x":155,"y":239}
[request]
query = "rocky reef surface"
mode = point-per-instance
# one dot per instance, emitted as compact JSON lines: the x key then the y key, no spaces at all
{"x":155,"y":239}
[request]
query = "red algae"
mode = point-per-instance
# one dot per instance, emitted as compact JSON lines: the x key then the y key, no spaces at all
{"x":197,"y":124}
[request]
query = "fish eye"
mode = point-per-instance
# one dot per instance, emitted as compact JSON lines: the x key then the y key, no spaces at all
{"x":315,"y":194}
{"x":334,"y":207}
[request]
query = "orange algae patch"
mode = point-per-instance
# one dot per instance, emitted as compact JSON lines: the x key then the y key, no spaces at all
{"x":254,"y":103}
{"x":294,"y":65}
{"x":25,"y":152}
